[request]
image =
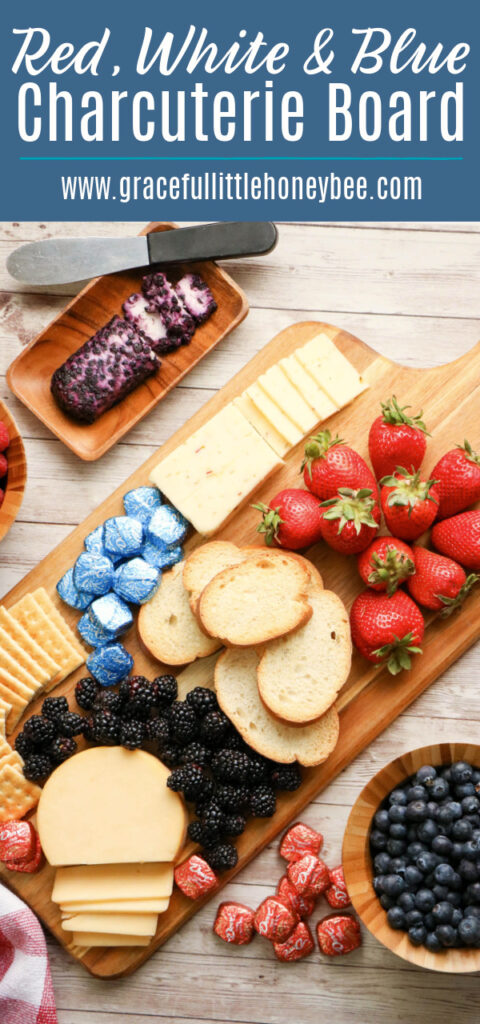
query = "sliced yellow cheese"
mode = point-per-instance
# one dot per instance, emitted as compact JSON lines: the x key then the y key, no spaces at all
{"x":308,"y":387}
{"x":113,"y":882}
{"x":86,"y":939}
{"x":115,"y":924}
{"x":274,"y":415}
{"x":116,"y":906}
{"x":279,"y":444}
{"x":331,"y":370}
{"x":114,"y":807}
{"x":280,"y":389}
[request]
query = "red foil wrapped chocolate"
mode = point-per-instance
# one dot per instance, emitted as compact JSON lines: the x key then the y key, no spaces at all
{"x":336,"y":894}
{"x":29,"y":864}
{"x":300,"y":904}
{"x":195,"y":877}
{"x":309,"y":875}
{"x":17,"y":841}
{"x":298,"y":840}
{"x":274,"y":919}
{"x":338,"y":935}
{"x":298,"y":945}
{"x":234,"y":923}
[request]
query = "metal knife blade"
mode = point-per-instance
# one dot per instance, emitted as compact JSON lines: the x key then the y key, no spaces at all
{"x":61,"y":260}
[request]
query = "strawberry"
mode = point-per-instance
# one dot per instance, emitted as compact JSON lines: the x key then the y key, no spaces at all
{"x":409,"y":504}
{"x":2,"y":495}
{"x":385,"y":564}
{"x":396,"y":439}
{"x":439,"y":582}
{"x":3,"y":465}
{"x":351,"y":520}
{"x":387,"y":630}
{"x":330,"y":464}
{"x":459,"y":538}
{"x":293,"y":519}
{"x":457,"y":476}
{"x":4,"y":437}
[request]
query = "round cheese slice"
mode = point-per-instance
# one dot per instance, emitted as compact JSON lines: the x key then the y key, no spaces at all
{"x":108,"y":805}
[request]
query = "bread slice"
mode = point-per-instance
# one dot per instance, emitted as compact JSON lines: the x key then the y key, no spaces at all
{"x":300,"y":675}
{"x":237,"y":694}
{"x":262,"y":598}
{"x":206,"y":562}
{"x":167,"y":626}
{"x":314,"y":575}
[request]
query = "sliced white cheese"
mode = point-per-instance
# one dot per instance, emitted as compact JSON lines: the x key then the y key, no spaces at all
{"x":280,"y":389}
{"x":274,"y":415}
{"x":86,"y":939}
{"x":308,"y":387}
{"x":116,"y":906}
{"x":331,"y":370}
{"x":113,"y":882}
{"x":115,"y":924}
{"x":279,"y":444}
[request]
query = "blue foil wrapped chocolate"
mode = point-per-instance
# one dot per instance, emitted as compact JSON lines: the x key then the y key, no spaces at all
{"x":93,"y":573}
{"x":93,"y":635}
{"x":136,"y":581}
{"x":123,"y":536}
{"x":71,"y":595}
{"x":161,"y":558}
{"x":94,"y":541}
{"x":111,"y":615}
{"x":110,"y":664}
{"x":167,"y":527}
{"x":142,"y":502}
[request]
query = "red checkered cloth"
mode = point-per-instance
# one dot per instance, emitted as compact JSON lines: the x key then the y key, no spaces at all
{"x":26,"y":993}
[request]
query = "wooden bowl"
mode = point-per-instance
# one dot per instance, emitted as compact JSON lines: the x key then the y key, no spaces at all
{"x":17,"y":473}
{"x":357,"y":863}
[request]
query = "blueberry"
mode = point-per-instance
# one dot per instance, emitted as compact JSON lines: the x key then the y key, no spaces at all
{"x":417,"y":810}
{"x":395,"y":847}
{"x":456,"y":917}
{"x":454,"y":898}
{"x":416,"y":793}
{"x":399,"y":831}
{"x":439,"y":789}
{"x":442,"y":845}
{"x":461,"y":772}
{"x":472,"y":911}
{"x":449,"y":812}
{"x":382,"y":820}
{"x":462,"y":830}
{"x":397,"y":796}
{"x":432,"y":809}
{"x":432,"y":942}
{"x":387,"y":902}
{"x":412,"y":833}
{"x":393,"y":885}
{"x":447,"y":774}
{"x":468,"y":870}
{"x":381,"y":864}
{"x":429,"y":921}
{"x":397,"y":866}
{"x":378,"y":839}
{"x":396,"y":918}
{"x":427,"y":862}
{"x":471,"y":849}
{"x":475,"y":820}
{"x":406,"y":901}
{"x":473,"y":893}
{"x":440,"y":892}
{"x":397,"y":812}
{"x":424,"y":900}
{"x":427,"y":830}
{"x":446,"y":934}
{"x":425,"y":775}
{"x":377,"y":882}
{"x":464,"y":789}
{"x":444,"y":874}
{"x":415,"y":849}
{"x":469,"y":931}
{"x":413,"y":917}
{"x":456,"y":853}
{"x":443,"y":912}
{"x":413,"y":877}
{"x":417,"y":934}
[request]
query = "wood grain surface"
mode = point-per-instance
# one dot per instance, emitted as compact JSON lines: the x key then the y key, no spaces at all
{"x":411,"y":292}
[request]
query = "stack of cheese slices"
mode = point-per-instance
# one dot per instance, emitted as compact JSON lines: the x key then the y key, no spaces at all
{"x":287,"y":640}
{"x":112,"y":828}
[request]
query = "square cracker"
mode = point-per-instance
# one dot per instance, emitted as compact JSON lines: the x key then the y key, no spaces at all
{"x":12,"y":758}
{"x":10,"y":665}
{"x":15,"y":686}
{"x":17,"y":795}
{"x":47,"y":605}
{"x":28,"y":643}
{"x":31,"y":616}
{"x":3,"y":723}
{"x":16,"y":704}
{"x":10,"y":647}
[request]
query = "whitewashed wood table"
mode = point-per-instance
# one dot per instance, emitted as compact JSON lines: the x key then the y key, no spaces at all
{"x":413,"y":293}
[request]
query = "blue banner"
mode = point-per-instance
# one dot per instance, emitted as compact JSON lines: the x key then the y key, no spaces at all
{"x":353,"y":111}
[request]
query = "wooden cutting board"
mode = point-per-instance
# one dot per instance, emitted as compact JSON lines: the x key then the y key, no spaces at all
{"x":371,"y":698}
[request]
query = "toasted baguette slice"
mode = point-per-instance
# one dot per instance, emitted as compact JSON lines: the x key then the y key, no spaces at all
{"x":206,"y":562}
{"x":237,"y":694}
{"x":315,"y":577}
{"x":262,"y":598}
{"x":299,"y":676}
{"x":167,"y":626}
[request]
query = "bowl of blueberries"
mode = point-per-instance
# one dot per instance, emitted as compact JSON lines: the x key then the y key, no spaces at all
{"x":411,"y":857}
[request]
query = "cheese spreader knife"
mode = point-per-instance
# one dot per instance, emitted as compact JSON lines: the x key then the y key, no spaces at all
{"x":61,"y":260}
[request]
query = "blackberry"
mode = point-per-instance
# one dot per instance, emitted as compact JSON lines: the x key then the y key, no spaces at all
{"x":182,"y":721}
{"x":221,"y":857}
{"x":214,"y":728}
{"x":157,"y":731}
{"x":235,"y":824}
{"x":258,"y":770}
{"x":166,"y":690}
{"x":39,"y":730}
{"x":131,"y":733}
{"x":235,"y":742}
{"x":62,"y":748}
{"x":104,"y":727}
{"x":107,"y":700}
{"x":232,"y":798}
{"x":202,"y":700}
{"x":190,"y":780}
{"x":212,"y":816}
{"x":204,"y":836}
{"x":23,"y":745}
{"x":141,"y":697}
{"x":85,"y":692}
{"x":37,"y":767}
{"x":231,"y":765}
{"x":198,"y":753}
{"x":287,"y":777}
{"x":70,"y":724}
{"x":263,"y":802}
{"x":54,"y":707}
{"x":171,"y":754}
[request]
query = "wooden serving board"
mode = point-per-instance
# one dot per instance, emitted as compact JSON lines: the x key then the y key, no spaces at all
{"x":371,"y":698}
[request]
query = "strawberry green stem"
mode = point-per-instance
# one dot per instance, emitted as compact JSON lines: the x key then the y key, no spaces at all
{"x":408,"y":488}
{"x":351,"y":506}
{"x":469,"y":452}
{"x":317,"y":448}
{"x":452,"y":603}
{"x":395,"y":414}
{"x":392,"y":569}
{"x":396,"y":655}
{"x":271,"y":522}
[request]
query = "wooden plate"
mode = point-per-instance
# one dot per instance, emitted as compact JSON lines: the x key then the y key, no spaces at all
{"x":30,"y":374}
{"x":357,"y":863}
{"x":17,"y":473}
